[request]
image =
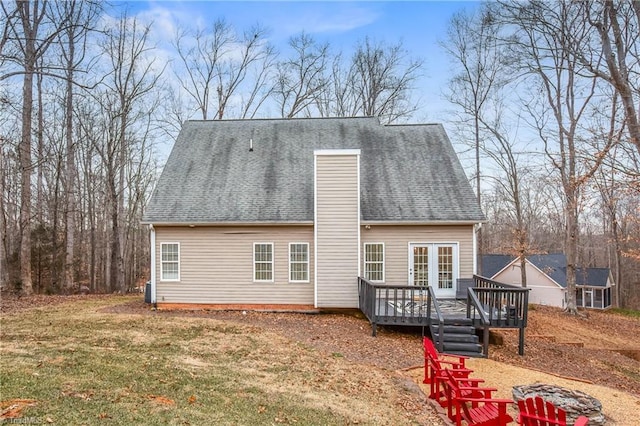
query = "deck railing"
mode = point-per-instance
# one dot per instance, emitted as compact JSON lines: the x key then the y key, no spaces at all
{"x":504,"y":305}
{"x":396,"y":305}
{"x":474,"y":305}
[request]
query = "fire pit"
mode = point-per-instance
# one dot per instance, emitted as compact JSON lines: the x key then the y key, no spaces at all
{"x":574,"y":402}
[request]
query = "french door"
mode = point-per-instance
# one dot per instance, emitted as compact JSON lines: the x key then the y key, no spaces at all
{"x":435,"y":265}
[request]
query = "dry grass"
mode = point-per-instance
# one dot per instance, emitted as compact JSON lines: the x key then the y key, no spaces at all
{"x":80,"y":366}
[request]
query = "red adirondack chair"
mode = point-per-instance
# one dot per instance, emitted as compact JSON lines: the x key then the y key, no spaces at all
{"x":430,"y":352}
{"x":434,"y":365}
{"x":537,"y":412}
{"x":485,"y":411}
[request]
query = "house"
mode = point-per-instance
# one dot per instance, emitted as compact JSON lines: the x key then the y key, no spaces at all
{"x":547,"y":279}
{"x":288,"y":213}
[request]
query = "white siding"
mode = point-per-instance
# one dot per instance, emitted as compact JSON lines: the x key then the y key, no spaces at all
{"x":543,"y":290}
{"x":216,"y":266}
{"x":397,"y":238}
{"x":337,"y":198}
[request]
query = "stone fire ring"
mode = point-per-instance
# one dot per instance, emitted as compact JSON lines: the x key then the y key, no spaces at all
{"x":574,"y":402}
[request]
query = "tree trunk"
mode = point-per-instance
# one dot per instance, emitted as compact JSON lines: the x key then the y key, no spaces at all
{"x":70,"y":175}
{"x":24,"y":147}
{"x":571,"y":250}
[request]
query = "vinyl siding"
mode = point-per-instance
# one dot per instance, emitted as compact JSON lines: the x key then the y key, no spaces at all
{"x":216,"y":265}
{"x":544,"y":291}
{"x":337,"y":220}
{"x":397,"y":238}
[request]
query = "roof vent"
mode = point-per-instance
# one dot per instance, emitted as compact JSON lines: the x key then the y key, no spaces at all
{"x":250,"y":145}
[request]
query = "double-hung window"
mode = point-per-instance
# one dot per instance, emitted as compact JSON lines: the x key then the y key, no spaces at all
{"x":299,"y":262}
{"x":263,"y":262}
{"x":374,"y":262}
{"x":170,"y":262}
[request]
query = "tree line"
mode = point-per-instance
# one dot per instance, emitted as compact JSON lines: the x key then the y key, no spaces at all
{"x":86,"y":98}
{"x":545,"y":94}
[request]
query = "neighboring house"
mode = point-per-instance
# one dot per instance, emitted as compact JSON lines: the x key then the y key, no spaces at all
{"x":287,"y":213}
{"x":547,"y":279}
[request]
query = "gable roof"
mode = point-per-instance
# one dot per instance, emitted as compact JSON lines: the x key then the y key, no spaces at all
{"x":494,"y":263}
{"x":596,"y":277}
{"x":553,"y":265}
{"x":408,"y":173}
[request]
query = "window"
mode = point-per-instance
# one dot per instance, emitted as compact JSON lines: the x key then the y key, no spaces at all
{"x":374,"y":261}
{"x":263,"y":261}
{"x":170,"y":262}
{"x":299,"y":262}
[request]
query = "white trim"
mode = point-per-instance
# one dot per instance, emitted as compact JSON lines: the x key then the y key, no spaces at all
{"x":358,"y":198}
{"x":315,"y":230}
{"x":308,"y":262}
{"x":311,"y":223}
{"x":152,"y":243}
{"x":474,"y":268}
{"x":512,"y":264}
{"x":273,"y":256}
{"x":162,"y":262}
{"x":384,"y":261}
{"x":345,"y":152}
{"x":419,"y":222}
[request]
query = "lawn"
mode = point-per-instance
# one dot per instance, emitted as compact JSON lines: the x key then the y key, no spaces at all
{"x":74,"y":364}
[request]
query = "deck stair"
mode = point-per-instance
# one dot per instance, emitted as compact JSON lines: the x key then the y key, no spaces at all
{"x":458,"y":337}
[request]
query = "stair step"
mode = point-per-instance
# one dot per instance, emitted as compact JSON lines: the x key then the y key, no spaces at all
{"x":457,"y":346}
{"x":454,"y":329}
{"x":458,"y":321}
{"x":456,"y":337}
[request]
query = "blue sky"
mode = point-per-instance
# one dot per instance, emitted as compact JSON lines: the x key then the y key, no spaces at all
{"x":418,"y":24}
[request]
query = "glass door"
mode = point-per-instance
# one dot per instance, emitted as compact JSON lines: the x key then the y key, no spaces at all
{"x":434,"y":265}
{"x":419,"y":269}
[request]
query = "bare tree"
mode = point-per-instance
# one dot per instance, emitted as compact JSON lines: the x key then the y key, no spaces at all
{"x":502,"y":150}
{"x":200,"y":55}
{"x":382,"y":78}
{"x":302,"y":78}
{"x":474,"y":47}
{"x":232,"y":72}
{"x":558,"y":102}
{"x":617,"y":25}
{"x":132,"y":78}
{"x":262,"y":83}
{"x":80,"y":16}
{"x":30,"y":27}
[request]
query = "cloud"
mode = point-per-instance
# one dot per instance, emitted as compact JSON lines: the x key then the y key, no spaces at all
{"x":327,"y":18}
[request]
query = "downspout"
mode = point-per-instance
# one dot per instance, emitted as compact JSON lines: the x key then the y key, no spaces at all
{"x":152,"y":238}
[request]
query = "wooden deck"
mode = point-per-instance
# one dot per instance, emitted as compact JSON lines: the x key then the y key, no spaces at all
{"x":489,"y":304}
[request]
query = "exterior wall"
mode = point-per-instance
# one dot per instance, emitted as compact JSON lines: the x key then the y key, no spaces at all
{"x":216,"y":266}
{"x":337,"y":219}
{"x":397,"y":238}
{"x":543,"y":290}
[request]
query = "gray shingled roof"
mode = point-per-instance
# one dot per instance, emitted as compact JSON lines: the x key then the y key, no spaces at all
{"x":554,"y":265}
{"x":408,"y":173}
{"x":494,"y":263}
